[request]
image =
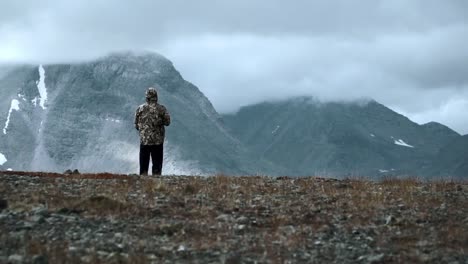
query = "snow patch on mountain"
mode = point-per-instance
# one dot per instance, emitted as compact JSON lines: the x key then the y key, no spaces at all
{"x":275,"y":130}
{"x":34,"y":101}
{"x":3,"y":159}
{"x":14,"y":106}
{"x":42,"y":88}
{"x":385,"y":171}
{"x":113,"y":120}
{"x":400,"y":142}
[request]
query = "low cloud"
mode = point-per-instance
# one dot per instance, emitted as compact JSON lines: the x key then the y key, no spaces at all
{"x":408,"y":55}
{"x":420,"y":81}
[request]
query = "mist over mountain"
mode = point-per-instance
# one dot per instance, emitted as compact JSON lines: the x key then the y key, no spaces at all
{"x":80,"y":115}
{"x":308,"y":137}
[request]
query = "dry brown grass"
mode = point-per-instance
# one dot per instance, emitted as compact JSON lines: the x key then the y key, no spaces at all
{"x":279,"y":214}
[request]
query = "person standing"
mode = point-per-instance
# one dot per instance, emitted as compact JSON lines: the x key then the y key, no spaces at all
{"x":151,"y":119}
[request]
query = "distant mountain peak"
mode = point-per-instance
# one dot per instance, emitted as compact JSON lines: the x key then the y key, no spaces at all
{"x":362,"y":137}
{"x":88,"y":122}
{"x":133,"y":55}
{"x":312,"y":100}
{"x":142,"y":60}
{"x":435,"y":126}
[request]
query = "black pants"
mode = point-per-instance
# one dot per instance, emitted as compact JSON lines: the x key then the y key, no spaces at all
{"x":156,"y":152}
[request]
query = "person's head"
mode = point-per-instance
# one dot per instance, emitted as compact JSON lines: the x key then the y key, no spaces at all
{"x":151,"y":95}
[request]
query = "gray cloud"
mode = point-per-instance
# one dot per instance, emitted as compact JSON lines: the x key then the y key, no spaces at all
{"x":409,"y":55}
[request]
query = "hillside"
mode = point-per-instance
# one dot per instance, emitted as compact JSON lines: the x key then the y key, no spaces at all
{"x":108,"y":218}
{"x":308,"y":137}
{"x":452,"y":159}
{"x":81,"y":116}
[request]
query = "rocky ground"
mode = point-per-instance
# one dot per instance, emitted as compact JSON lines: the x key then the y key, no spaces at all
{"x":77,"y":218}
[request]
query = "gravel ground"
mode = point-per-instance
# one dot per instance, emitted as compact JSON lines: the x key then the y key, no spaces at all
{"x":104,"y":218}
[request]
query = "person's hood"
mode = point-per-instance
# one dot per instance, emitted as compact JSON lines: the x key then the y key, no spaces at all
{"x":151,"y":95}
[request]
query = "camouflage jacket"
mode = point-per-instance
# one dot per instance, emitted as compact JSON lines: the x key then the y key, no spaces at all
{"x":150,"y":119}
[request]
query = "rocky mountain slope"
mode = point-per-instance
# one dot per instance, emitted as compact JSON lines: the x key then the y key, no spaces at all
{"x":308,"y":137}
{"x":451,"y":160}
{"x":81,"y":116}
{"x":56,"y":117}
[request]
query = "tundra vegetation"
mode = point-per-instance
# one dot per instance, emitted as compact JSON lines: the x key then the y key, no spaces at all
{"x":108,"y":218}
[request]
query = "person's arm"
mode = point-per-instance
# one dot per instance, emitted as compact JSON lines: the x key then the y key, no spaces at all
{"x":137,"y":118}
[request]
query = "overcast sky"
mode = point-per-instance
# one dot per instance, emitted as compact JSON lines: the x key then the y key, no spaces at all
{"x":410,"y":55}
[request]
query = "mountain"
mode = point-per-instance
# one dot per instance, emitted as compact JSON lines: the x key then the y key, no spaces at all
{"x":451,"y":160}
{"x":80,"y":115}
{"x":308,"y":137}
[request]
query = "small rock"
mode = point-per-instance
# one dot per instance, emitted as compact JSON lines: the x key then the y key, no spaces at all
{"x":72,"y":249}
{"x":390,"y":220}
{"x":224,"y":218}
{"x":372,"y":258}
{"x":75,"y":171}
{"x":68,"y":172}
{"x":86,"y":259}
{"x":3,"y":216}
{"x":67,"y":211}
{"x":16,"y":259}
{"x":3,"y":204}
{"x":166,"y":248}
{"x":181,"y":248}
{"x":40,"y":210}
{"x":111,"y":255}
{"x":38,"y":219}
{"x":239,"y":227}
{"x":40,"y":259}
{"x":425,"y":258}
{"x":375,"y":258}
{"x":423,"y":243}
{"x":289,"y":230}
{"x":28,"y":225}
{"x":242,"y":220}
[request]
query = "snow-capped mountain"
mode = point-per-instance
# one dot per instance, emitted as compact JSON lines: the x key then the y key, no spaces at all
{"x":81,"y":116}
{"x":56,"y":117}
{"x":308,"y":137}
